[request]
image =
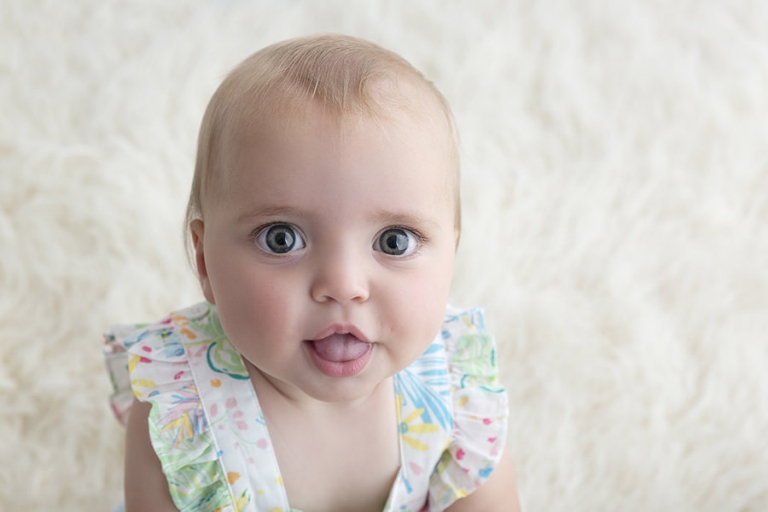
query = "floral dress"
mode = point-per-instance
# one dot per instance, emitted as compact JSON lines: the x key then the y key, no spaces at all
{"x":211,"y":437}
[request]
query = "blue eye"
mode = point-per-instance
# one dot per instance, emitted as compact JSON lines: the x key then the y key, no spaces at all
{"x":279,"y":239}
{"x":396,"y":242}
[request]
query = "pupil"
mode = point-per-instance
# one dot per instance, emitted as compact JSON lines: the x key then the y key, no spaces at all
{"x":280,"y":239}
{"x":395,"y":242}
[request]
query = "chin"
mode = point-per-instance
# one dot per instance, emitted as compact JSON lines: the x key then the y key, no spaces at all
{"x":339,"y":392}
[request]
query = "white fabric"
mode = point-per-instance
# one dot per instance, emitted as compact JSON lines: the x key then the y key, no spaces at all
{"x":615,"y":208}
{"x":214,"y":443}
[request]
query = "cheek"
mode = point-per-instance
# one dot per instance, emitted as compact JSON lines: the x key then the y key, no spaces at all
{"x":420,"y":301}
{"x":247,"y":295}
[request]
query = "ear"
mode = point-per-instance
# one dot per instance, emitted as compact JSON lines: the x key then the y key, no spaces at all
{"x":198,"y":231}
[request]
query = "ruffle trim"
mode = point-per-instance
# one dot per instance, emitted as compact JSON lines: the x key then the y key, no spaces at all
{"x":115,"y":350}
{"x":151,"y":363}
{"x":481,"y":410}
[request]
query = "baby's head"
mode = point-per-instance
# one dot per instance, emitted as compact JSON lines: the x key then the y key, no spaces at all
{"x":324,"y":214}
{"x":349,"y":77}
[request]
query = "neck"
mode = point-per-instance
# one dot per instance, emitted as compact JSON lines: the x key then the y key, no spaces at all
{"x":273,"y":393}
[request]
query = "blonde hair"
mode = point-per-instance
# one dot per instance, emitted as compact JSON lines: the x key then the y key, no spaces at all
{"x":348,"y":75}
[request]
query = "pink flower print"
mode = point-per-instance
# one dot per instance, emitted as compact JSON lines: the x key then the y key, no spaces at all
{"x":231,"y":403}
{"x":145,"y":349}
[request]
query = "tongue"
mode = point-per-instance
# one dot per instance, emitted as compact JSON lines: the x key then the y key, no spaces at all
{"x":338,"y":348}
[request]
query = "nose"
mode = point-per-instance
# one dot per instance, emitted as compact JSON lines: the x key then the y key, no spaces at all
{"x":340,"y":276}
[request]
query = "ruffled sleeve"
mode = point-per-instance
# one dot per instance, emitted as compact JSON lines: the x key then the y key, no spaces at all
{"x":480,"y":410}
{"x":159,"y":373}
{"x":117,"y":341}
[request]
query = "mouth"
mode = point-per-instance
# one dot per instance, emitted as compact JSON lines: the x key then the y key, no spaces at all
{"x":340,"y":354}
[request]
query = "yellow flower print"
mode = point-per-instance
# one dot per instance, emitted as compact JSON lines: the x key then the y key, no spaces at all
{"x":406,"y":427}
{"x":133,"y":361}
{"x":142,"y":383}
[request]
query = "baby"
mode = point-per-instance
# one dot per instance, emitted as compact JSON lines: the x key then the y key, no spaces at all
{"x":324,"y":371}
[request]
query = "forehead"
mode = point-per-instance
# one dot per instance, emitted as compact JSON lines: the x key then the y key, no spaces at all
{"x":311,"y":154}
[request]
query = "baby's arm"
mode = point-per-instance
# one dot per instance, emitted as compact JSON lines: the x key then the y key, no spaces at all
{"x":146,"y":489}
{"x":497,"y":494}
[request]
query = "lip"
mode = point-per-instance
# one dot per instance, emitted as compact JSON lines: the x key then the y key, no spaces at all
{"x":339,"y":369}
{"x":340,"y":329}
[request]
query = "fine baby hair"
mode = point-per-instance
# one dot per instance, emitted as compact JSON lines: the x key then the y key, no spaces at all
{"x":325,"y":370}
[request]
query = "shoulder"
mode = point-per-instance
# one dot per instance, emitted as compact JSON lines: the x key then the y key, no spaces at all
{"x":497,"y":494}
{"x":146,"y":487}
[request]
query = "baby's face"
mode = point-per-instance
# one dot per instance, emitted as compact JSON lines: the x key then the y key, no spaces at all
{"x":329,"y":249}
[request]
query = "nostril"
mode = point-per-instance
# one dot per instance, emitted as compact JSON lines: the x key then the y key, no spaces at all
{"x":339,"y":291}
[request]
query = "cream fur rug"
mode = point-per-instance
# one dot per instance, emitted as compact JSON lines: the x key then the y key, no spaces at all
{"x":616,"y":225}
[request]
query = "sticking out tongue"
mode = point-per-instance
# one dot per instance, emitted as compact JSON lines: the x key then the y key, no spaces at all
{"x":338,"y":348}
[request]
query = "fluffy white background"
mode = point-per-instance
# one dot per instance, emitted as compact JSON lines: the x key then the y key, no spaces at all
{"x":616,"y":208}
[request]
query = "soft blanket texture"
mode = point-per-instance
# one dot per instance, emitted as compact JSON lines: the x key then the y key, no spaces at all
{"x":616,"y":225}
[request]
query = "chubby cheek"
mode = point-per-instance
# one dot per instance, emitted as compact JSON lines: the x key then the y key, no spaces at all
{"x":254,"y":304}
{"x":418,"y":305}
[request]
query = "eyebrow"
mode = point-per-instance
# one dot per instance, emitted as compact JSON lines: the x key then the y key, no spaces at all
{"x":406,"y":218}
{"x":272,"y":211}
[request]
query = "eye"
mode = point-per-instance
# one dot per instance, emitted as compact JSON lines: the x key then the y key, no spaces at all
{"x":396,"y":242}
{"x":279,"y":239}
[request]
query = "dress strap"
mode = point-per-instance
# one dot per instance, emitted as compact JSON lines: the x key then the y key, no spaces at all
{"x":235,"y":417}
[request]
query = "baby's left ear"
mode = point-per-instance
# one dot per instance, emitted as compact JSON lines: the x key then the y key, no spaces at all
{"x":198,"y":232}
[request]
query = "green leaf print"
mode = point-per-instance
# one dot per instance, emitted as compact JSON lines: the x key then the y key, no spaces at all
{"x":209,"y":324}
{"x":478,"y":356}
{"x":200,"y":487}
{"x":223,"y":358}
